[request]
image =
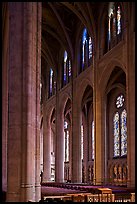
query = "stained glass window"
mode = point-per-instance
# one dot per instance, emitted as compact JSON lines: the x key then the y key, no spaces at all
{"x":84,"y":40}
{"x":90,"y":48}
{"x":111,"y":21}
{"x":123,"y":132}
{"x":65,"y":66}
{"x":114,"y":24}
{"x":109,"y":26}
{"x":118,"y":20}
{"x":93,"y":140}
{"x":66,"y":69}
{"x":119,"y":101}
{"x":51,"y":82}
{"x":120,"y":128}
{"x":86,"y":49}
{"x":82,"y":142}
{"x":116,"y":135}
{"x":69,"y":68}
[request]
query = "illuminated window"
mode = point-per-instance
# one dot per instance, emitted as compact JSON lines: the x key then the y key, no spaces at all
{"x":90,"y":48}
{"x":93,"y":140}
{"x":123,"y":132}
{"x":52,"y":83}
{"x":86,"y":50}
{"x":116,"y":135}
{"x":69,"y":69}
{"x":114,"y":24}
{"x":119,"y":101}
{"x":120,"y":128}
{"x":66,"y":69}
{"x":66,"y":135}
{"x":118,"y":20}
{"x":40,"y":91}
{"x":82,"y":142}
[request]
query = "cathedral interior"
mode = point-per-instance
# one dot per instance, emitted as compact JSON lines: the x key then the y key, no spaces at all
{"x":68,"y":101}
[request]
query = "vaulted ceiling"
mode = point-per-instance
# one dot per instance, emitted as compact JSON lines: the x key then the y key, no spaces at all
{"x":60,"y":23}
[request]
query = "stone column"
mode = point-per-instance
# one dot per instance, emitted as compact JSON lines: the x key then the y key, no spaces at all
{"x":37,"y":60}
{"x":131,"y":101}
{"x":85,"y":148}
{"x":24,"y":120}
{"x":60,"y":144}
{"x":76,"y":143}
{"x":70,"y":150}
{"x":41,"y":148}
{"x":5,"y":47}
{"x":46,"y":146}
{"x":99,"y":141}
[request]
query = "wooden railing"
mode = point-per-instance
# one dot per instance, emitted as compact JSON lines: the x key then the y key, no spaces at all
{"x":88,"y":197}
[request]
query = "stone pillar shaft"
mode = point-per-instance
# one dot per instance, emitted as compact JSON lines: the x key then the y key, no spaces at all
{"x":37,"y":58}
{"x":5,"y":48}
{"x":60,"y":150}
{"x":46,"y":148}
{"x":85,"y":148}
{"x":70,"y":151}
{"x":76,"y":146}
{"x":99,"y":143}
{"x":131,"y":101}
{"x":24,"y":116}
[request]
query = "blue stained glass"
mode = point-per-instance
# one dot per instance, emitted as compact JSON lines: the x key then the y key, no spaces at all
{"x":51,"y":80}
{"x":123,"y":132}
{"x":84,"y":35}
{"x":110,"y":14}
{"x":84,"y":39}
{"x":116,"y":135}
{"x":65,"y":66}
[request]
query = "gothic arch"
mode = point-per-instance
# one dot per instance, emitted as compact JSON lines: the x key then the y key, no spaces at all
{"x":81,"y":89}
{"x":107,"y":72}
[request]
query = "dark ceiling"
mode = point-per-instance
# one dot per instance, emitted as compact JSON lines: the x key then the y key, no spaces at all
{"x":60,"y":22}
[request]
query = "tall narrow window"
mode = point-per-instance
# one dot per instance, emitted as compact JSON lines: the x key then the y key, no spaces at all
{"x":92,"y":140}
{"x":114,"y":24}
{"x":66,"y":135}
{"x":69,"y":69}
{"x":84,"y":40}
{"x":66,"y":69}
{"x":82,"y":142}
{"x":90,"y":48}
{"x":123,"y":132}
{"x":86,"y":50}
{"x":40,"y":91}
{"x":116,"y":135}
{"x":51,"y":82}
{"x":120,"y":128}
{"x":118,"y":20}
